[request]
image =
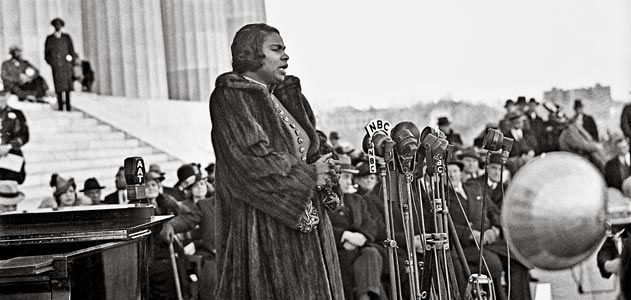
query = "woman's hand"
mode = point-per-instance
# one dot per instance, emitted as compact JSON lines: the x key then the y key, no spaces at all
{"x":325,"y":168}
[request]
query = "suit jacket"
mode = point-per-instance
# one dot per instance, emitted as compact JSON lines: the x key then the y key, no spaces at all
{"x":625,"y":120}
{"x":111,"y":198}
{"x":472,"y":208}
{"x":616,"y":172}
{"x":590,"y":126}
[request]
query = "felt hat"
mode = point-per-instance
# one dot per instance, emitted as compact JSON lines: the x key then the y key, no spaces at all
{"x":14,"y":48}
{"x":495,"y":158}
{"x":91,"y":184}
{"x":334,"y":135}
{"x":188,"y":175}
{"x":443,"y":121}
{"x":58,"y":21}
{"x":456,"y":162}
{"x":345,"y":164}
{"x":469,"y":152}
{"x":60,"y":184}
{"x":578,"y":103}
{"x":363,"y":169}
{"x":509,"y":102}
{"x":156,"y":168}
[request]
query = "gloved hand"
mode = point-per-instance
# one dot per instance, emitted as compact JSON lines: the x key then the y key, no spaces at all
{"x":167,"y":233}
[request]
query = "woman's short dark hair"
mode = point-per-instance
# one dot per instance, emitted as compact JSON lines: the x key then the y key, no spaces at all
{"x":247,"y":47}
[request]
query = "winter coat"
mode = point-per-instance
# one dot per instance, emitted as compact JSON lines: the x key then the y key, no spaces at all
{"x":59,"y":54}
{"x":262,"y":190}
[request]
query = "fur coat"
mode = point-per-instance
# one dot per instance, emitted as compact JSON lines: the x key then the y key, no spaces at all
{"x":262,"y":189}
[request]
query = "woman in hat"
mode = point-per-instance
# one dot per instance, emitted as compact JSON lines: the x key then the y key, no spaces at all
{"x":192,"y":184}
{"x":64,"y":194}
{"x":10,"y":196}
{"x":92,"y":189}
{"x":59,"y":54}
{"x":274,"y":239}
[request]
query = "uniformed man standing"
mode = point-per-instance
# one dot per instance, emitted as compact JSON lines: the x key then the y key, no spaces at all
{"x":13,"y":135}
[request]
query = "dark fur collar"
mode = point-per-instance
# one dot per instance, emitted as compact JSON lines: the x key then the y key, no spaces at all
{"x":235,"y":81}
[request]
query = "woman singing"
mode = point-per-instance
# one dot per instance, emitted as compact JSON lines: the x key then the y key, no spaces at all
{"x":274,"y":239}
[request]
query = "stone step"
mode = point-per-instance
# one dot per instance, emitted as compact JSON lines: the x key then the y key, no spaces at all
{"x":36,"y":155}
{"x":61,"y":123}
{"x":67,"y":166}
{"x":81,"y":145}
{"x":105,"y":172}
{"x":41,"y":130}
{"x":79,"y":136}
{"x":40,"y":115}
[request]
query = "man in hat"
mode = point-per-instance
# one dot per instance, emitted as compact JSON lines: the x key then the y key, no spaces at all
{"x":120,"y":195}
{"x":92,"y":189}
{"x":509,"y":106}
{"x":452,"y":137}
{"x":14,"y":134}
{"x":22,"y":78}
{"x":524,"y":145}
{"x":535,"y":123}
{"x":584,"y":120}
{"x":465,"y":208}
{"x":471,"y":164}
{"x":467,"y":201}
{"x":59,"y":54}
{"x":10,"y":196}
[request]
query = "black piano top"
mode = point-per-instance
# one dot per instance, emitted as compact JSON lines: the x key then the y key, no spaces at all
{"x":76,"y":224}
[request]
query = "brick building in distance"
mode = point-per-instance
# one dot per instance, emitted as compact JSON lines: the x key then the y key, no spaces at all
{"x":595,"y":94}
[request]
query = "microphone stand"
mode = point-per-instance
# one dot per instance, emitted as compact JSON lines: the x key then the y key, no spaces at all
{"x":408,"y":226}
{"x":390,"y":243}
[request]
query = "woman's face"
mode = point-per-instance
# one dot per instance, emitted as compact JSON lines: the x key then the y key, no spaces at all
{"x":152,"y":189}
{"x":275,"y":61}
{"x":199,"y":190}
{"x":68,"y":198}
{"x":368,"y":182}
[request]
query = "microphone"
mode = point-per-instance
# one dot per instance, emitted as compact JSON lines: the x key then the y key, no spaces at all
{"x":406,"y":135}
{"x":493,"y":140}
{"x":379,"y":139}
{"x":135,"y":178}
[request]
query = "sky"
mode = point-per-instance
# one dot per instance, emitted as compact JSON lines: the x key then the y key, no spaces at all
{"x":364,"y":53}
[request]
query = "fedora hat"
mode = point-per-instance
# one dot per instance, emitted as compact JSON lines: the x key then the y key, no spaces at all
{"x":152,"y":175}
{"x":188,"y":175}
{"x":9,"y":193}
{"x":345,"y":164}
{"x":456,"y":162}
{"x":442,"y":121}
{"x":57,"y":21}
{"x":469,"y":152}
{"x":156,"y":168}
{"x":91,"y":184}
{"x":363,"y":169}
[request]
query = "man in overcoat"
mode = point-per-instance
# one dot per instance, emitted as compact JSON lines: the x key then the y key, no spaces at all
{"x":59,"y":54}
{"x":274,"y":240}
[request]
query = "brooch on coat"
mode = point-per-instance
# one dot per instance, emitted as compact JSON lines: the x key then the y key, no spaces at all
{"x":309,"y":219}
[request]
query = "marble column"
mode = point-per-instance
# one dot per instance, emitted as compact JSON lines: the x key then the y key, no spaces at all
{"x":242,"y":12}
{"x":123,"y":40}
{"x":197,"y":46}
{"x":26,"y":23}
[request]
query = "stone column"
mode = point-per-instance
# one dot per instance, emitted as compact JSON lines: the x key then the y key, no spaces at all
{"x":26,"y":23}
{"x":242,"y":12}
{"x":196,"y":45}
{"x":123,"y":40}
